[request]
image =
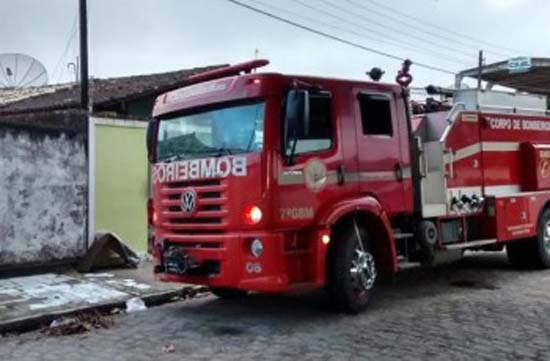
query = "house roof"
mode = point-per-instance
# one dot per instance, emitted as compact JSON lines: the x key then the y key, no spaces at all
{"x":103,"y":92}
{"x":14,"y":95}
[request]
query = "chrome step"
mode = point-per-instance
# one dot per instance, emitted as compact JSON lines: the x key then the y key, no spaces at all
{"x":472,"y":244}
{"x":403,"y":235}
{"x":402,"y":266}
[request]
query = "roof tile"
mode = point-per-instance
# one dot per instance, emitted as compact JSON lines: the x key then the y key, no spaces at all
{"x":102,"y":91}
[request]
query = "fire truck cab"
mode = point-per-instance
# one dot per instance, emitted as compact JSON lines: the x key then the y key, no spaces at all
{"x":268,"y":182}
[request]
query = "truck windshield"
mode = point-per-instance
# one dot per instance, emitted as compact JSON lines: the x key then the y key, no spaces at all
{"x":222,"y":131}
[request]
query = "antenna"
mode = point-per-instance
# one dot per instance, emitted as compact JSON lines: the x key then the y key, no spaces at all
{"x":73,"y":65}
{"x":21,"y":71}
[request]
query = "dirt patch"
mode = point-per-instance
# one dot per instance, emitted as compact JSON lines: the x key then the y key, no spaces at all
{"x":78,"y":324}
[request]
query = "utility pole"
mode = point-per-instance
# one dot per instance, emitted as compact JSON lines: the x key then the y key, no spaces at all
{"x":479,"y":69}
{"x":84,"y":99}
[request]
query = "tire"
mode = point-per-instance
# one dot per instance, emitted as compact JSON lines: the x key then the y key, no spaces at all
{"x":541,"y":249}
{"x":426,"y":236}
{"x":533,"y":252}
{"x":228,"y":293}
{"x":350,"y":291}
{"x":518,"y":252}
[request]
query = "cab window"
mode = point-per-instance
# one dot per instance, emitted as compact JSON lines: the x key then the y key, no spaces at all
{"x":376,"y":116}
{"x":311,"y":135}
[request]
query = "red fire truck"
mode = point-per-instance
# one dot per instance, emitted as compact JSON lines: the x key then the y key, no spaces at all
{"x":268,"y":182}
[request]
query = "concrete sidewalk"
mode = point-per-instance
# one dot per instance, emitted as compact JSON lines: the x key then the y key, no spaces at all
{"x":32,"y":301}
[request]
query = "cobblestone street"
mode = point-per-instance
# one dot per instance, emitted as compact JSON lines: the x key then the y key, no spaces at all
{"x":478,"y":309}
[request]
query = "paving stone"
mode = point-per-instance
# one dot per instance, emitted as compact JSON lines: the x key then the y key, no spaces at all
{"x":420,"y":316}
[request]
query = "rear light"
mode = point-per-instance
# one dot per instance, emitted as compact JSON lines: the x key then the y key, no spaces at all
{"x":151,"y":213}
{"x":252,"y":215}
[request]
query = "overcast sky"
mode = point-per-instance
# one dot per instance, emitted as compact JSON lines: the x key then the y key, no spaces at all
{"x":147,"y":36}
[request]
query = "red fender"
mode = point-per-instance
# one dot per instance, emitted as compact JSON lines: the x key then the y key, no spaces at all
{"x":385,"y":249}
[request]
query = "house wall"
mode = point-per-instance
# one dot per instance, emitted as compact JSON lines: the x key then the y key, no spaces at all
{"x":141,"y":108}
{"x":136,"y":109}
{"x":43,"y":188}
{"x":121,"y":180}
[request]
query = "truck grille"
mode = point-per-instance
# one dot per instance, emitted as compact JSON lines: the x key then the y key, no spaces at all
{"x":210,"y":216}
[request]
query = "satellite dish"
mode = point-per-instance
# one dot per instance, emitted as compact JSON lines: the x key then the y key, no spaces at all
{"x":21,"y":71}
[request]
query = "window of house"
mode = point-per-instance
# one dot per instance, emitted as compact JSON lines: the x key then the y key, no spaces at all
{"x":376,"y":114}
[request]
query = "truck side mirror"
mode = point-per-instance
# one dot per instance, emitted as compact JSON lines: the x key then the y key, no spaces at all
{"x":150,"y":139}
{"x":296,"y":122}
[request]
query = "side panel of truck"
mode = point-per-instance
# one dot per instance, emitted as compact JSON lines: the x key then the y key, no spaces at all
{"x":382,"y":167}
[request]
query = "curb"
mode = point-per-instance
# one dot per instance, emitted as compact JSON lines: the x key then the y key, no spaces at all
{"x":25,"y":324}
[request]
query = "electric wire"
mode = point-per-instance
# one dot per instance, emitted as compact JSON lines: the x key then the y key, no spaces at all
{"x":410,"y":25}
{"x":386,"y":27}
{"x":58,"y":68}
{"x":336,"y":38}
{"x":432,"y":25}
{"x":369,"y":35}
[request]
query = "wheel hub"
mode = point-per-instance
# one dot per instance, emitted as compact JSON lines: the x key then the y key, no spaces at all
{"x":546,"y":237}
{"x":363,"y":269}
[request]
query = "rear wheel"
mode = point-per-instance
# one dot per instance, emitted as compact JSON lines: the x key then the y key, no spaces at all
{"x":533,"y":252}
{"x":518,"y":254}
{"x":351,"y":271}
{"x":542,"y":248}
{"x":228,"y":293}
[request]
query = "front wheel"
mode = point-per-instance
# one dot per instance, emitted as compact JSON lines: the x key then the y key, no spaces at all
{"x":351,"y":271}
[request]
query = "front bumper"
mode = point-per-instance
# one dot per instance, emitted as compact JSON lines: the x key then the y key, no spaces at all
{"x":229,"y":261}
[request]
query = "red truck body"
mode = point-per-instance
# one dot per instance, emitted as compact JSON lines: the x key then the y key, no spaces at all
{"x":416,"y":184}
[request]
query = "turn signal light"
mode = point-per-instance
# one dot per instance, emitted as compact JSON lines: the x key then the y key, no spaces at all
{"x":252,"y":215}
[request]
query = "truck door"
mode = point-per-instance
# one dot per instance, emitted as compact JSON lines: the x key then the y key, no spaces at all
{"x":314,"y":179}
{"x":383,"y":162}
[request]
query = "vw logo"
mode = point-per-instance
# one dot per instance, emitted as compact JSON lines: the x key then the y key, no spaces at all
{"x":189,"y":201}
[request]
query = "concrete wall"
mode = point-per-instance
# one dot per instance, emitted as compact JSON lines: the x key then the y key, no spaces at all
{"x":121,"y":180}
{"x":43,"y":188}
